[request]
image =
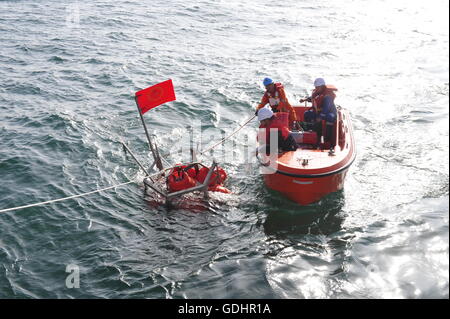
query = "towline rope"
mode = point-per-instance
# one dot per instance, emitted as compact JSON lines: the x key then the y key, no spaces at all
{"x":118,"y":185}
{"x":69,"y":197}
{"x":64,"y":198}
{"x":227,"y":137}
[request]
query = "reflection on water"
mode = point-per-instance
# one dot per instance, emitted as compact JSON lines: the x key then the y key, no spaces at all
{"x":323,"y":217}
{"x":306,"y":247}
{"x":313,"y":252}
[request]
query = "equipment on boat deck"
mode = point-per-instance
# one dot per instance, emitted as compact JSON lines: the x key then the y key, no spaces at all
{"x":305,"y":137}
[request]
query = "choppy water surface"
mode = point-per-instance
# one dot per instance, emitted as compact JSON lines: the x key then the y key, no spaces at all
{"x":67,"y":77}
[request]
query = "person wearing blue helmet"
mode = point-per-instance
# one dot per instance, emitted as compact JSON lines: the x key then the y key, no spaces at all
{"x":267,"y":81}
{"x":276,"y":98}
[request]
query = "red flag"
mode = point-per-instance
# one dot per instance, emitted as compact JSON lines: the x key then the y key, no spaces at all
{"x":155,"y":95}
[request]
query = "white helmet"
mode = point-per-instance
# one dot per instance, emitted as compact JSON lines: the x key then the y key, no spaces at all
{"x":264,"y":113}
{"x":319,"y":82}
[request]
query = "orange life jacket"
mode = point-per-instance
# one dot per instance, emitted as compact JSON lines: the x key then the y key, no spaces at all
{"x":274,"y":99}
{"x":317,"y":99}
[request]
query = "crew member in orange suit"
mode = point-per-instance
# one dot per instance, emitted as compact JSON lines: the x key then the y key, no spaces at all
{"x":276,"y":97}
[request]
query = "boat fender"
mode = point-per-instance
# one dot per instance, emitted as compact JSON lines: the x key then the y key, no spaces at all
{"x":341,"y":134}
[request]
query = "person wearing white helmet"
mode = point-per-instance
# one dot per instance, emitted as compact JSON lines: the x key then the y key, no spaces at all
{"x":276,"y":98}
{"x":264,"y":114}
{"x":269,"y":120}
{"x":319,"y":82}
{"x":323,"y":108}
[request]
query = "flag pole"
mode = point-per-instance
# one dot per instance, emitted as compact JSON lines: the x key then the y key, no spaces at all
{"x":155,"y":155}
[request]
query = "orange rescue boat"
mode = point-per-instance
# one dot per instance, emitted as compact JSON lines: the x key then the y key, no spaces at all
{"x":311,"y":172}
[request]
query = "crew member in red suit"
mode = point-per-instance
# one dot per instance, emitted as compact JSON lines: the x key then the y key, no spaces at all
{"x":268,"y":121}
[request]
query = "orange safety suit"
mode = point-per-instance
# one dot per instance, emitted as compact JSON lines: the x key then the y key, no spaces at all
{"x":278,"y":102}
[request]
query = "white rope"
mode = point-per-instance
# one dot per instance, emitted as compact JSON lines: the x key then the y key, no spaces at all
{"x":122,"y":184}
{"x":61,"y":199}
{"x":227,"y":137}
{"x":69,"y":197}
{"x":118,"y":185}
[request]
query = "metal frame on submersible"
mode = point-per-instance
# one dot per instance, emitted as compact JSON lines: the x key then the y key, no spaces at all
{"x":150,"y":183}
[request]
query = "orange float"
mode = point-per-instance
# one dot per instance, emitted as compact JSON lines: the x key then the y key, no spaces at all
{"x":179,"y":179}
{"x":187,"y":176}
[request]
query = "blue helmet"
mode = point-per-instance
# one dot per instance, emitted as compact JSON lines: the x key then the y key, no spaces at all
{"x":267,"y":81}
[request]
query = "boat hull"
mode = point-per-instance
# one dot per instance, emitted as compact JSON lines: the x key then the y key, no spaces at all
{"x":305,"y":190}
{"x":308,"y":174}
